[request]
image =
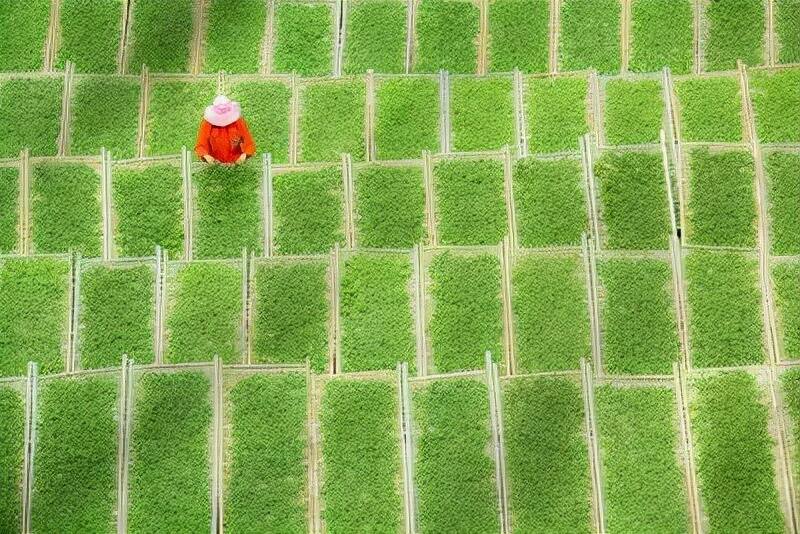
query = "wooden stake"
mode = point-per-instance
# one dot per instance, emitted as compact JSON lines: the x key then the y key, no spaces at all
{"x":267,"y":203}
{"x":598,"y":503}
{"x":685,"y":427}
{"x":31,"y":422}
{"x":681,"y":304}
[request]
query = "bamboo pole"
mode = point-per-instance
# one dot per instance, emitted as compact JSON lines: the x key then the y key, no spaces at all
{"x":370,"y":117}
{"x":508,"y":193}
{"x":315,"y":519}
{"x":430,"y":199}
{"x":267,"y":202}
{"x":407,"y":433}
{"x":590,"y":267}
{"x":506,"y":261}
{"x":188,"y":203}
{"x":73,"y":305}
{"x":339,"y":31}
{"x":105,"y":197}
{"x":51,"y":42}
{"x":294,"y":122}
{"x":789,"y":500}
{"x":772,"y":51}
{"x":410,"y":29}
{"x":245,"y":326}
{"x":499,"y":472}
{"x":121,"y":50}
{"x":218,"y":460}
{"x":483,"y":38}
{"x":66,"y":110}
{"x":444,"y":112}
{"x":158,"y":330}
{"x":24,"y":201}
{"x":336,"y":368}
{"x":520,"y":124}
{"x":144,"y":104}
{"x":555,"y":29}
{"x":625,"y":33}
{"x":685,"y":427}
{"x":588,"y":172}
{"x":267,"y":41}
{"x":123,"y":442}
{"x":198,"y":29}
{"x":697,"y":25}
{"x":349,"y":201}
{"x":598,"y":502}
{"x":31,"y":422}
{"x":419,"y":310}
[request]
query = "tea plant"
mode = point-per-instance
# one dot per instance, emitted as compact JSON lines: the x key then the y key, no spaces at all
{"x":38,"y":128}
{"x":303,"y":38}
{"x":590,"y":35}
{"x":89,"y":34}
{"x":447,"y":34}
{"x":234,"y":36}
{"x":482,"y":113}
{"x":783,"y":172}
{"x":406,"y":117}
{"x":102,"y":120}
{"x":519,"y":35}
{"x":12,"y":429}
{"x":633,"y":111}
{"x":661,"y":34}
{"x":23,"y":25}
{"x":265,"y":108}
{"x":332,"y":121}
{"x":390,"y":206}
{"x":710,"y":109}
{"x":160,"y":35}
{"x":735,"y":31}
{"x":175,"y":114}
{"x":776,"y":101}
{"x":557,"y":113}
{"x":787,"y":29}
{"x":376,"y":37}
{"x":786,"y":281}
{"x":9,"y":210}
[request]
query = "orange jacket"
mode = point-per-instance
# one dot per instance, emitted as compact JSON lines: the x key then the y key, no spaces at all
{"x":226,"y":143}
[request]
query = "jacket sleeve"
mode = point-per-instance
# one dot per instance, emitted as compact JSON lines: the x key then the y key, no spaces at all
{"x":203,"y":146}
{"x":248,"y":145}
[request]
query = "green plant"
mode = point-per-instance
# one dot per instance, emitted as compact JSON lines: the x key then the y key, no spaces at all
{"x":633,"y":111}
{"x":776,"y":100}
{"x":467,"y":311}
{"x":12,"y":441}
{"x":234,"y":35}
{"x":452,"y":420}
{"x":725,"y":309}
{"x":89,"y":34}
{"x":361,"y":455}
{"x":175,"y":114}
{"x":117,"y":312}
{"x":482,"y":113}
{"x":643,"y":483}
{"x":34,"y":293}
{"x":76,"y":456}
{"x":790,"y":384}
{"x":291,"y":314}
{"x":470,"y":203}
{"x":332,"y":121}
{"x":161,"y":35}
{"x":23,"y":25}
{"x":722,"y":204}
{"x":519,"y":35}
{"x":303,"y":38}
{"x":787,"y":28}
{"x":148,"y":204}
{"x":65,"y":209}
{"x":783,"y":172}
{"x":170,"y":470}
{"x":38,"y":128}
{"x":105,"y":113}
{"x":308,"y":211}
{"x":786,"y":280}
{"x":590,"y":35}
{"x":551,"y":315}
{"x":390,"y":206}
{"x":205,"y":313}
{"x":735,"y":30}
{"x":406,"y":117}
{"x":265,"y":107}
{"x":376,"y":37}
{"x":377,"y":327}
{"x":557,"y":112}
{"x":734,"y":455}
{"x":267,"y":448}
{"x":661,"y":34}
{"x":9,"y":208}
{"x":710,"y":109}
{"x":447,"y":35}
{"x":633,"y":196}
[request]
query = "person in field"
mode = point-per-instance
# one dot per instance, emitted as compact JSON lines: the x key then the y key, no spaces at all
{"x":224,"y":136}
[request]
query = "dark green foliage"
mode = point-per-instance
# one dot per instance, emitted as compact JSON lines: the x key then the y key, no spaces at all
{"x":376,"y":37}
{"x":390,"y":206}
{"x":590,"y":35}
{"x":9,"y":208}
{"x":303,"y":38}
{"x":547,"y":462}
{"x":519,"y":35}
{"x":234,"y":36}
{"x":38,"y":127}
{"x":105,"y":113}
{"x":12,"y":428}
{"x":467,"y":312}
{"x":776,"y":101}
{"x":734,"y":455}
{"x":551,"y":316}
{"x":447,"y":34}
{"x":633,"y":111}
{"x":266,"y":489}
{"x":710,"y":109}
{"x":23,"y":25}
{"x":557,"y":113}
{"x":74,"y":488}
{"x":170,"y":472}
{"x":786,"y":280}
{"x":265,"y":107}
{"x":790,"y":384}
{"x":406,"y":117}
{"x":454,"y":472}
{"x":377,"y":327}
{"x":175,"y":114}
{"x":470,"y":203}
{"x":783,"y":172}
{"x":332,"y":121}
{"x":160,"y":36}
{"x":724,"y":309}
{"x":361,"y":456}
{"x":117,"y":312}
{"x":661,"y":34}
{"x":90,"y":34}
{"x":735,"y":31}
{"x":482,"y":113}
{"x":787,"y":28}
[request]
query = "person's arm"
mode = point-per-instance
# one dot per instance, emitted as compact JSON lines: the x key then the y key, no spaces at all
{"x":248,"y":145}
{"x":203,"y":146}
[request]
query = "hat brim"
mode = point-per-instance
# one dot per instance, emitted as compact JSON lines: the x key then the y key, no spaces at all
{"x":223,"y":119}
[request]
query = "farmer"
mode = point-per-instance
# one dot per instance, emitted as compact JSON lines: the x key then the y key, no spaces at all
{"x":224,"y":137}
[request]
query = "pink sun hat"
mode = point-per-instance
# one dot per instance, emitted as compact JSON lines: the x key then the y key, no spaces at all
{"x":223,"y":111}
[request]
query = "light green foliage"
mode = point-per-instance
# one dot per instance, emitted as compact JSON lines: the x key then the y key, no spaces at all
{"x":175,"y":114}
{"x":550,"y":202}
{"x":633,"y":111}
{"x":710,"y":109}
{"x":470,"y":203}
{"x":547,"y":462}
{"x":786,"y":280}
{"x":557,"y":113}
{"x":291,"y":314}
{"x":406,"y":117}
{"x":148,"y":204}
{"x":519,"y":35}
{"x":482,"y":113}
{"x":267,"y":448}
{"x":376,"y":37}
{"x":590,"y":35}
{"x":90,"y":34}
{"x":234,"y":35}
{"x":308,"y":211}
{"x":735,"y":31}
{"x":551,"y":316}
{"x":722,"y":204}
{"x":105,"y":113}
{"x":783,"y":172}
{"x":776,"y":101}
{"x":734,"y":455}
{"x":640,"y":335}
{"x":790,"y":384}
{"x":33,"y":325}
{"x":467,"y":312}
{"x":452,"y":419}
{"x":787,"y":28}
{"x":724,"y":309}
{"x":23,"y":25}
{"x":170,"y":472}
{"x":38,"y":127}
{"x":161,"y":35}
{"x":265,"y":108}
{"x":390,"y":206}
{"x":74,"y":488}
{"x":303,"y":38}
{"x":205,"y":313}
{"x":447,"y":36}
{"x":117,"y":313}
{"x":65,"y":208}
{"x":377,"y":327}
{"x":12,"y":441}
{"x":9,"y":208}
{"x":633,"y":198}
{"x":661,"y":34}
{"x":332,"y":121}
{"x":643,"y":483}
{"x":361,"y":456}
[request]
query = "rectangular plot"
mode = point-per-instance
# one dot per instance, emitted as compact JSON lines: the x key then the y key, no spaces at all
{"x":590,"y":35}
{"x":105,"y":114}
{"x":710,"y":109}
{"x":786,"y":282}
{"x":787,"y":29}
{"x":776,"y":103}
{"x":38,"y":128}
{"x":175,"y":113}
{"x":267,"y":450}
{"x":783,"y":176}
{"x":332,"y":121}
{"x":362,"y":486}
{"x":519,"y":35}
{"x":661,"y":34}
{"x":234,"y":36}
{"x":482,"y":113}
{"x":406,"y":117}
{"x":160,"y":35}
{"x":634,"y":111}
{"x":447,"y":36}
{"x":12,"y":445}
{"x":265,"y":108}
{"x":23,"y":25}
{"x":303,"y":40}
{"x":9,"y":209}
{"x":557,"y":111}
{"x":89,"y":34}
{"x":734,"y":30}
{"x":376,"y":36}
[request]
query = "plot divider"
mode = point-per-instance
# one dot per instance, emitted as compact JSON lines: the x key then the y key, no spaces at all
{"x":419,"y":310}
{"x":554,"y":35}
{"x":772,"y":51}
{"x":349,"y":201}
{"x":51,"y":42}
{"x":590,"y":268}
{"x":266,"y":204}
{"x":598,"y":502}
{"x":685,"y":427}
{"x":407,"y":441}
{"x":314,"y":512}
{"x":370,"y":117}
{"x":506,"y":261}
{"x":430,"y":198}
{"x":159,"y":316}
{"x":125,"y":24}
{"x":410,"y":24}
{"x":144,"y":104}
{"x":188,"y":203}
{"x":625,"y":33}
{"x":75,"y":315}
{"x":123,"y":442}
{"x":444,"y":112}
{"x":267,"y":41}
{"x":217,"y":451}
{"x":483,"y":37}
{"x":24,"y":202}
{"x":66,"y":110}
{"x":519,"y":114}
{"x":588,"y":173}
{"x":294,"y":121}
{"x":499,"y":464}
{"x":788,"y":502}
{"x":31,"y":421}
{"x":198,"y":29}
